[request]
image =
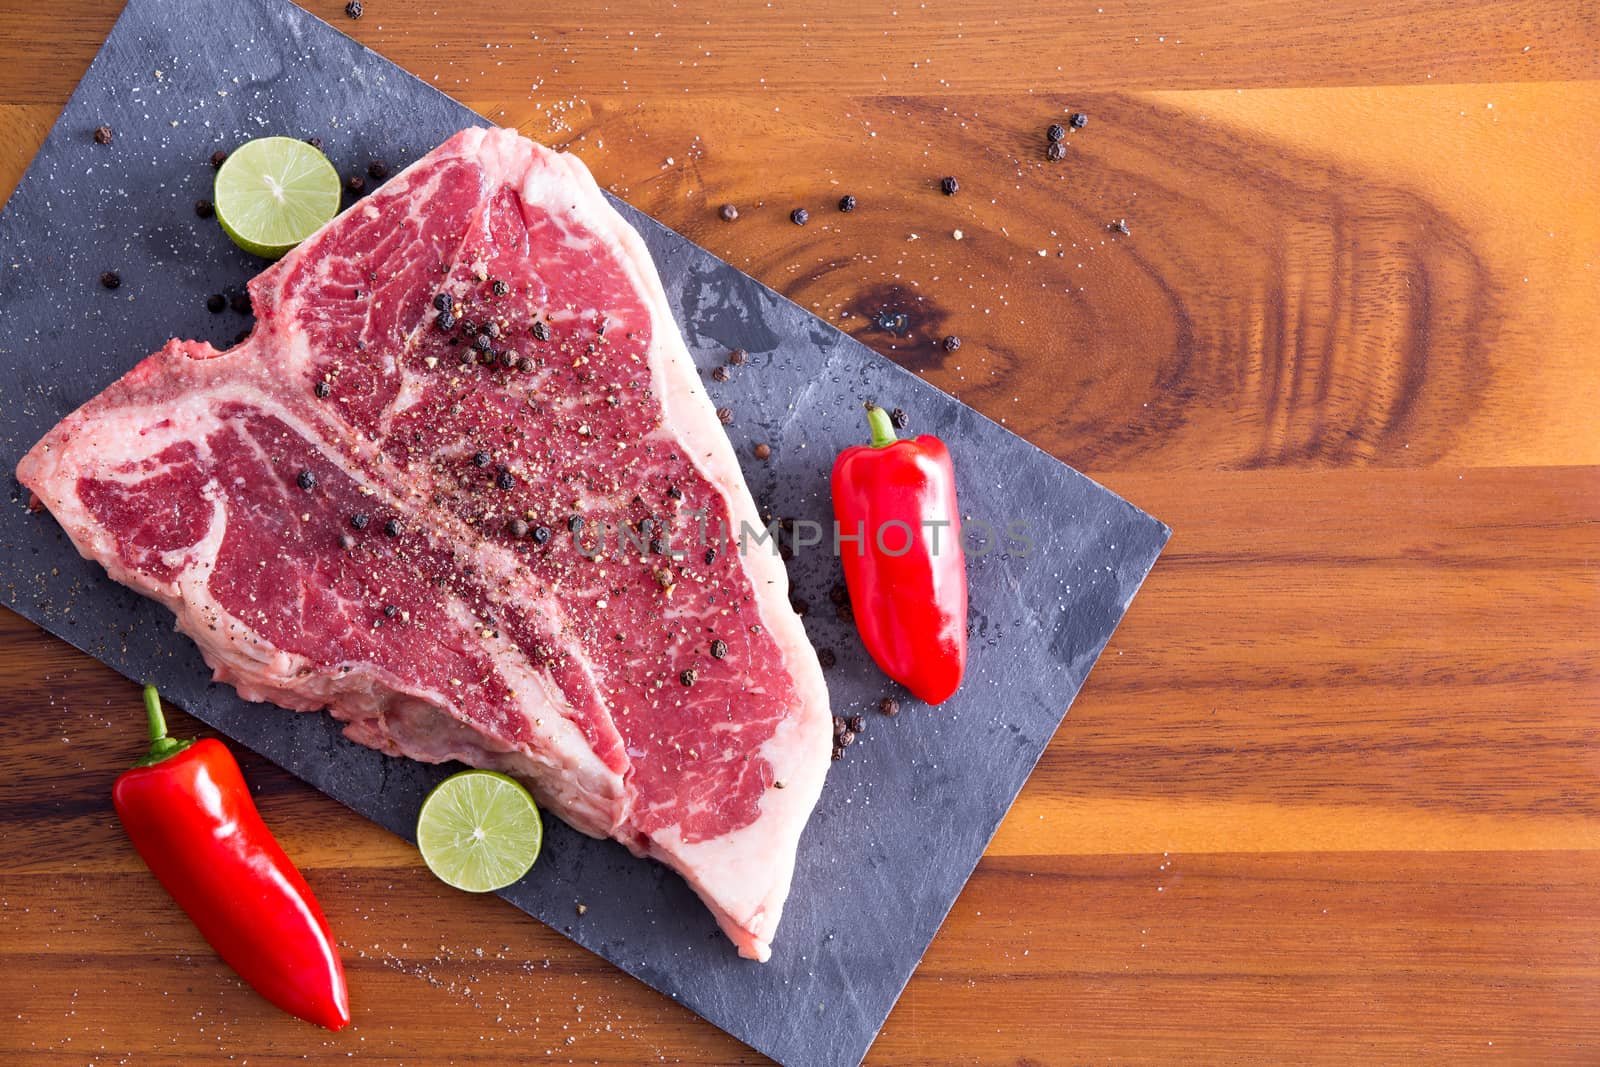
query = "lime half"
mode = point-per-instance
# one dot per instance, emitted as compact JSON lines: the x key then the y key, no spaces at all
{"x":274,"y":192}
{"x":479,"y":831}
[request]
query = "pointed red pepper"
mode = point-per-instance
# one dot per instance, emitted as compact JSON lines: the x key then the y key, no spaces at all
{"x":900,"y":542}
{"x":189,"y":813}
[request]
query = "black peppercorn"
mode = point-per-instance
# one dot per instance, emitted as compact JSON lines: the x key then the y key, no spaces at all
{"x":728,"y":212}
{"x":719,"y":649}
{"x":356,"y":184}
{"x":102,"y":135}
{"x":857,"y":724}
{"x":1056,"y":152}
{"x":688,"y":676}
{"x":799,"y":216}
{"x":482,"y":342}
{"x":490,"y":329}
{"x":353,"y":9}
{"x":111,"y":279}
{"x":468,"y":327}
{"x":204,"y":208}
{"x":710,"y":557}
{"x":846,"y":739}
{"x":738,"y":357}
{"x":951,"y":343}
{"x":480,"y":459}
{"x":392,"y":528}
{"x":1079,"y":120}
{"x":889,"y":706}
{"x":441,"y":301}
{"x":390,"y":611}
{"x":719,"y":374}
{"x":446,"y":321}
{"x":218,"y":158}
{"x":674,"y":492}
{"x":359,"y":520}
{"x":505,"y":480}
{"x":898,"y":419}
{"x":763,"y":450}
{"x":306,"y":480}
{"x":541,"y":332}
{"x":215,"y":303}
{"x":541,"y":534}
{"x":315,"y":142}
{"x":377,"y":170}
{"x":725,"y":415}
{"x":517,"y":528}
{"x":574,"y":523}
{"x":322,"y":388}
{"x":1056,"y":132}
{"x":346,"y":542}
{"x":847,"y":204}
{"x":500,"y":288}
{"x":948,"y":186}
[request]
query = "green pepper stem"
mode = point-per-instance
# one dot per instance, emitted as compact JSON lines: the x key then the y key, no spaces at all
{"x":161,"y":746}
{"x":152,"y":712}
{"x":882,"y":426}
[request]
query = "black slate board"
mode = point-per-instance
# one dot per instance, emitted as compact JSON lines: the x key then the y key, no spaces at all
{"x":904,"y":817}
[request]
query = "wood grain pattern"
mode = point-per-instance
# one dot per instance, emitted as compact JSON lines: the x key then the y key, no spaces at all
{"x":1330,"y":793}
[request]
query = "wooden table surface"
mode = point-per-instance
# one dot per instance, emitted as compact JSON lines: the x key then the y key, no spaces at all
{"x":1331,"y":793}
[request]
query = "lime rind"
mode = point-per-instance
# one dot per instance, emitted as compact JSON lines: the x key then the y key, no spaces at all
{"x":274,"y":192}
{"x":479,"y":831}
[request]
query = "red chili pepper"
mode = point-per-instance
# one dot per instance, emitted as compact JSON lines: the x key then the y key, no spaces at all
{"x":189,"y":813}
{"x":900,"y":541}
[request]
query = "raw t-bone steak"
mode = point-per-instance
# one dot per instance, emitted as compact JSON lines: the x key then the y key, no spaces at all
{"x":387,"y":502}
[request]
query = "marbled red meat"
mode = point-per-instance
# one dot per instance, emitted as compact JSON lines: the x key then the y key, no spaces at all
{"x":367,"y":508}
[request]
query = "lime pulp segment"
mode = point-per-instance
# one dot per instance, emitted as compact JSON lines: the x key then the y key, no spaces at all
{"x":274,"y":192}
{"x":479,"y":831}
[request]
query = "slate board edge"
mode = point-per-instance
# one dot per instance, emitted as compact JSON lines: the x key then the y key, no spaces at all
{"x":291,"y":11}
